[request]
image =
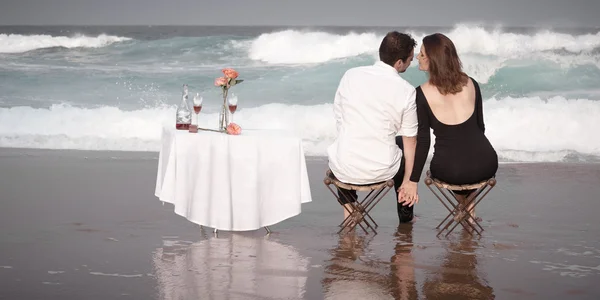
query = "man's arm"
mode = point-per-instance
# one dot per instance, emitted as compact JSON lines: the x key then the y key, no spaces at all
{"x":408,"y":131}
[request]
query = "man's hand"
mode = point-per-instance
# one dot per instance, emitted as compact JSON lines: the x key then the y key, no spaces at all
{"x":407,"y":194}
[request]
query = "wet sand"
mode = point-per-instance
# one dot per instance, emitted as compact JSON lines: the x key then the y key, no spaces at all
{"x":86,"y":225}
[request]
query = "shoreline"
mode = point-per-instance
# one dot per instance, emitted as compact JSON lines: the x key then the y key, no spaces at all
{"x":122,"y":154}
{"x":76,"y":222}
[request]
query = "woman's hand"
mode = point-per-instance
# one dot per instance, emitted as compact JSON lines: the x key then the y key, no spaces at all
{"x":407,"y":194}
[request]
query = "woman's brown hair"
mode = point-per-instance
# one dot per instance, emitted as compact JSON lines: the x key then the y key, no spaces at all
{"x":445,"y":68}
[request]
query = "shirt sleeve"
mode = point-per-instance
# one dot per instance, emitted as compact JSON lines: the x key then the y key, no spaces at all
{"x":409,"y":122}
{"x":423,"y":138}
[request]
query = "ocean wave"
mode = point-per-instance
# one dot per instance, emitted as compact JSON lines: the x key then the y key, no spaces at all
{"x":521,"y":129}
{"x":17,"y":43}
{"x":296,"y":47}
{"x":496,"y":42}
{"x":309,"y":47}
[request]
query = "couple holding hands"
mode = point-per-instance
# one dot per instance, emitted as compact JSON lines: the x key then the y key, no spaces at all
{"x":383,"y":122}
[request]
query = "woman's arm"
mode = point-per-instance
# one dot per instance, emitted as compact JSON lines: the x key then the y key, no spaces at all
{"x":479,"y":106}
{"x":423,"y":137}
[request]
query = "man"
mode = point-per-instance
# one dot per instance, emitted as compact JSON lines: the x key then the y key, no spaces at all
{"x":373,"y":107}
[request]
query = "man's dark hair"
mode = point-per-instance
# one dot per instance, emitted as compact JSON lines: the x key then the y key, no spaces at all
{"x":396,"y":46}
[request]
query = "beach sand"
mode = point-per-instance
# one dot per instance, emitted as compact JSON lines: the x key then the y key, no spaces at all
{"x":86,"y":225}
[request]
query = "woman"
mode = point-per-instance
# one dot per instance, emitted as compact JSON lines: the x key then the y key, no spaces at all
{"x":450,"y":103}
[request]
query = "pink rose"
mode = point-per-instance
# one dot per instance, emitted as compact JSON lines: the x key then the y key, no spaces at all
{"x":231,"y":73}
{"x":234,"y":129}
{"x":221,"y":81}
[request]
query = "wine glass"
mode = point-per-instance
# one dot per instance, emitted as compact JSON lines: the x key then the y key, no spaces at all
{"x":232,"y":105}
{"x":197,"y":106}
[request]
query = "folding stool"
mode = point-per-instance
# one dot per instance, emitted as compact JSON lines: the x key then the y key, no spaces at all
{"x":361,"y":208}
{"x":459,"y":213}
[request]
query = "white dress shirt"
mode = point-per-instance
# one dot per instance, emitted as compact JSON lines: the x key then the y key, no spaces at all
{"x":372,"y":105}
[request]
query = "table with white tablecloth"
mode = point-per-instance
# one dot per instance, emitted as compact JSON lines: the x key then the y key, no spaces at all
{"x":232,"y":182}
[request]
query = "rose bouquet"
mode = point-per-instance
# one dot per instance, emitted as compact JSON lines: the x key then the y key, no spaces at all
{"x":225,"y":83}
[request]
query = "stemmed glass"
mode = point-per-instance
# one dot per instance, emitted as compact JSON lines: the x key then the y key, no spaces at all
{"x":197,"y":106}
{"x":232,"y":105}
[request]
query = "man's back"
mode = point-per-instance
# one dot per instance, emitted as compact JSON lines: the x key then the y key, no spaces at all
{"x":372,"y":105}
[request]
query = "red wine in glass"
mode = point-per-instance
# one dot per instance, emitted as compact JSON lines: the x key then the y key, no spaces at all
{"x":232,"y":108}
{"x":180,"y":126}
{"x":197,"y":109}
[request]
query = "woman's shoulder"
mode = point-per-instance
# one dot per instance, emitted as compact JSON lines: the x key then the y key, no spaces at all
{"x":420,"y":94}
{"x":424,"y":86}
{"x":475,"y":83}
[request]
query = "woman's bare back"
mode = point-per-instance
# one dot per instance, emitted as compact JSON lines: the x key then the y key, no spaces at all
{"x":451,"y":109}
{"x":462,"y":153}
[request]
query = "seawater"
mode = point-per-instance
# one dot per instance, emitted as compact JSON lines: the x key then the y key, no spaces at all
{"x":113,"y":88}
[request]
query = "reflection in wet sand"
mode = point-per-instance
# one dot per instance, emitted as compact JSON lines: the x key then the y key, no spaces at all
{"x":355,"y":272}
{"x":402,"y":275}
{"x":350,"y":274}
{"x":458,"y":277}
{"x":232,"y":267}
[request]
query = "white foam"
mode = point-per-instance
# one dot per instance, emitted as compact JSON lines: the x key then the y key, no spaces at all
{"x":476,"y":39}
{"x":532,"y":129}
{"x":297,"y":47}
{"x":554,"y":125}
{"x":17,"y":43}
{"x":563,"y":269}
{"x":116,"y":275}
{"x":483,"y":51}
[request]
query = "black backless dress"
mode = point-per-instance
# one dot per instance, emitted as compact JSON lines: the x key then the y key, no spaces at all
{"x":462,"y":153}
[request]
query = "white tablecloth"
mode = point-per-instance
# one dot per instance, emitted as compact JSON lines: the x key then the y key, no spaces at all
{"x":229,"y":182}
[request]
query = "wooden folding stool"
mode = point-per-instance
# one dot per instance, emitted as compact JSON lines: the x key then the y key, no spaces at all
{"x":459,"y":213}
{"x":361,"y":208}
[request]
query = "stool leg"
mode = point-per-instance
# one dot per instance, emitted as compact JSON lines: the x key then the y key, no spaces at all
{"x":435,"y":194}
{"x":355,"y":223}
{"x":454,"y":212}
{"x":469,"y":216}
{"x":368,"y":201}
{"x":462,"y":210}
{"x":346,"y":220}
{"x":455,"y":206}
{"x":473,"y":199}
{"x":477,"y":198}
{"x":362,"y":206}
{"x":459,"y":213}
{"x":451,"y":210}
{"x":429,"y":182}
{"x":375,"y":200}
{"x":358,"y":210}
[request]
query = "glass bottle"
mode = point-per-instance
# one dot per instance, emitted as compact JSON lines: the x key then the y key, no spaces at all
{"x":184,"y":114}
